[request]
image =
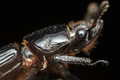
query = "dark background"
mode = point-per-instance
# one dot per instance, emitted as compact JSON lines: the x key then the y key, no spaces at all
{"x":17,"y":21}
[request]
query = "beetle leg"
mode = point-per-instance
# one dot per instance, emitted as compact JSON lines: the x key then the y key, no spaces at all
{"x":76,"y":60}
{"x":27,"y":74}
{"x":64,"y":73}
{"x":31,"y":74}
{"x":44,"y":63}
{"x":99,"y":61}
{"x":69,"y":76}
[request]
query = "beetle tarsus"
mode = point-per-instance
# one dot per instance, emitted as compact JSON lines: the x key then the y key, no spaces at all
{"x":99,"y":61}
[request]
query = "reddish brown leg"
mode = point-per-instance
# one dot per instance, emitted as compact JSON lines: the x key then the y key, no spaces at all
{"x":31,"y":74}
{"x":64,"y":73}
{"x":27,"y":74}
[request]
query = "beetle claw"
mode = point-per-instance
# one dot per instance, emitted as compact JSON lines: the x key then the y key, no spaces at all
{"x":105,"y":63}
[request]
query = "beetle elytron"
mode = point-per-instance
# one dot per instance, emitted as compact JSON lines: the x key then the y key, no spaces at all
{"x":51,"y":49}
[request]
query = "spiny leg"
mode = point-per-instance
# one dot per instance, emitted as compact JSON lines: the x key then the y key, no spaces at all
{"x":103,"y":62}
{"x":77,"y":60}
{"x":64,"y":72}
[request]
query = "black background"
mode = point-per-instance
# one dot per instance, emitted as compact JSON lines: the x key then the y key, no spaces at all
{"x":17,"y":21}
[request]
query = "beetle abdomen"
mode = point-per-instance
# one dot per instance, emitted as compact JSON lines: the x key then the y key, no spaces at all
{"x":10,"y":59}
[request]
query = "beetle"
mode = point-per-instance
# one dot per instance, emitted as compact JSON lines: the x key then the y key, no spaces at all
{"x":51,"y":49}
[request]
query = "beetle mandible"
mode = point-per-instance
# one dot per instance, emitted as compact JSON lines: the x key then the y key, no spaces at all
{"x":51,"y":49}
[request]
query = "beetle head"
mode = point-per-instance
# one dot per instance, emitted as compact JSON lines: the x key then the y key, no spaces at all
{"x":87,"y":30}
{"x":84,"y":34}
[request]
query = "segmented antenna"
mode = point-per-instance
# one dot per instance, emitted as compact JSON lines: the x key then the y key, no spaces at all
{"x":102,"y":9}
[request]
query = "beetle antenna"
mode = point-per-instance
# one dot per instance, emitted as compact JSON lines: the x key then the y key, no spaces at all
{"x":102,"y":9}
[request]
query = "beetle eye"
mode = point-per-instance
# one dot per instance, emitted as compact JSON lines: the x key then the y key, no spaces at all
{"x":81,"y":33}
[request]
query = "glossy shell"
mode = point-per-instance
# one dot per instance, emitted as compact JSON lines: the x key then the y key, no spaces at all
{"x":10,"y":59}
{"x":51,"y":38}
